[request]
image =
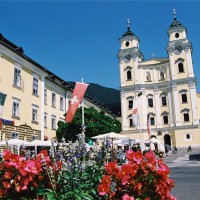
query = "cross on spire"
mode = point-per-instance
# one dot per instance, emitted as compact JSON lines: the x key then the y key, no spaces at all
{"x":128,"y":24}
{"x":174,"y":13}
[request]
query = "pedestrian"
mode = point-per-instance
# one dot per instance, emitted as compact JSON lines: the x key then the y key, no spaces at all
{"x":120,"y":155}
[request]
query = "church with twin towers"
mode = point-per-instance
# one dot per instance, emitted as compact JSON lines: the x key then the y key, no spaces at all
{"x":167,"y":88}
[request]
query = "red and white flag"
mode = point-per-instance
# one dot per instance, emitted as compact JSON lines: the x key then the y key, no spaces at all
{"x":136,"y":113}
{"x":76,"y":98}
{"x":148,"y":126}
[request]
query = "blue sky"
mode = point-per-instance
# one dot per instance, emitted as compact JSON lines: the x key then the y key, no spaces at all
{"x":79,"y":39}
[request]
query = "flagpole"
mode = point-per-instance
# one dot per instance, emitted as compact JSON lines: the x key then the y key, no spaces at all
{"x":83,"y":120}
{"x":140,"y":127}
{"x":140,"y":121}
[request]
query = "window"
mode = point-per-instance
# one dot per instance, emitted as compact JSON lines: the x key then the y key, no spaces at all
{"x":34,"y":114}
{"x":45,"y":120}
{"x":184,"y":98}
{"x":14,"y":135}
{"x":127,"y":44}
{"x":186,"y":117}
{"x":53,"y":100}
{"x":130,"y":123}
{"x":187,"y":137}
{"x":17,"y":77}
{"x":176,"y":35}
{"x":150,"y":102}
{"x":53,"y":122}
{"x":164,"y":100}
{"x":180,"y":68}
{"x":45,"y":96}
{"x":165,"y":119}
{"x":15,"y":108}
{"x":152,"y":121}
{"x":34,"y":137}
{"x":61,"y":103}
{"x":130,"y":104}
{"x":129,"y":77}
{"x":35,"y":86}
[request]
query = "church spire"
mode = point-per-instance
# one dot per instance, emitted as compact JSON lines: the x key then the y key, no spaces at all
{"x":176,"y":23}
{"x":174,"y":13}
{"x":128,"y":24}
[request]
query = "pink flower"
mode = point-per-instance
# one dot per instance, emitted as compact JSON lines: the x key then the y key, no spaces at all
{"x":127,"y":197}
{"x":134,"y":156}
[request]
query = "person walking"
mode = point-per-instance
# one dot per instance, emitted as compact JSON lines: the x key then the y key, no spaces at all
{"x":120,"y":155}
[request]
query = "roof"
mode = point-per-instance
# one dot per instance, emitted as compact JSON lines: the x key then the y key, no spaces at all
{"x":154,"y":61}
{"x":176,"y":24}
{"x":129,"y":33}
{"x":51,"y":76}
{"x":19,"y":50}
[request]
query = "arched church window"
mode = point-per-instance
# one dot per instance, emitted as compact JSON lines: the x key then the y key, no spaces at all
{"x":163,"y":99}
{"x":129,"y":77}
{"x":150,"y":100}
{"x":148,"y":76}
{"x":180,"y":68}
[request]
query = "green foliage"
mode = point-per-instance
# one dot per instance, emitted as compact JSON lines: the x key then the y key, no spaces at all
{"x":96,"y":123}
{"x":76,"y":185}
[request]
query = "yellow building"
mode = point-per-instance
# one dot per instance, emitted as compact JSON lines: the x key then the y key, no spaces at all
{"x":167,"y":87}
{"x":35,"y":96}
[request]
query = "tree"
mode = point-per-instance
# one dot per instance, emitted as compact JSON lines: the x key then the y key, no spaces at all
{"x":95,"y":123}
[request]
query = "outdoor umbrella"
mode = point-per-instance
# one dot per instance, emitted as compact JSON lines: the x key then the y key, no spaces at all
{"x":14,"y":142}
{"x":36,"y":143}
{"x":129,"y":141}
{"x":110,"y":135}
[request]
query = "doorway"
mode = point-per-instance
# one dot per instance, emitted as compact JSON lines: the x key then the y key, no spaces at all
{"x":167,"y":139}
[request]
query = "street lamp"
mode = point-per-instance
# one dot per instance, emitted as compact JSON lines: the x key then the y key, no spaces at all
{"x":2,"y":101}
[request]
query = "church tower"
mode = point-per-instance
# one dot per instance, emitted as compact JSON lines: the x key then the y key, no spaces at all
{"x":183,"y":82}
{"x":129,"y":56}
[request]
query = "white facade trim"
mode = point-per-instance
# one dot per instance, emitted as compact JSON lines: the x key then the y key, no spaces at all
{"x":121,"y":74}
{"x":158,"y":113}
{"x":124,"y":111}
{"x":173,"y":73}
{"x":155,"y":76}
{"x":194,"y":104}
{"x":176,"y":106}
{"x":135,"y":64}
{"x":144,"y":110}
{"x":171,"y":110}
{"x":42,"y":108}
{"x":168,"y":73}
{"x":189,"y":62}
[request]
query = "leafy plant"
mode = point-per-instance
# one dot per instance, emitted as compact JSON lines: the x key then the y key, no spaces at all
{"x":95,"y":123}
{"x":142,"y":178}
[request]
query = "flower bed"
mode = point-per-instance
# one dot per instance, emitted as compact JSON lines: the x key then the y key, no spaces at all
{"x":143,"y":177}
{"x":62,"y":174}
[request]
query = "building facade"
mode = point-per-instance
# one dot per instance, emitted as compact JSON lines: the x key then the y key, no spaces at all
{"x":167,"y":88}
{"x":35,"y":97}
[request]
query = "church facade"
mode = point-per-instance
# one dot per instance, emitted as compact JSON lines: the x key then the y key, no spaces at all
{"x":165,"y":87}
